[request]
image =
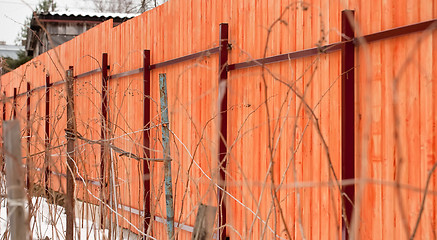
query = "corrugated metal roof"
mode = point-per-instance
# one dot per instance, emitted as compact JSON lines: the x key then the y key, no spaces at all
{"x":90,"y":14}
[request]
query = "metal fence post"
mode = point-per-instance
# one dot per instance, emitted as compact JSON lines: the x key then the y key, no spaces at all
{"x":4,"y":106}
{"x":347,"y":115}
{"x":29,"y":180}
{"x":222,"y":153}
{"x":28,"y":176}
{"x":104,"y":151}
{"x":4,"y":119}
{"x":146,"y":137}
{"x":167,"y":157}
{"x":14,"y":104}
{"x":47,"y":137}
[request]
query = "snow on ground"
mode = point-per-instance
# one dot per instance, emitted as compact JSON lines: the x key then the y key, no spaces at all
{"x":49,"y":222}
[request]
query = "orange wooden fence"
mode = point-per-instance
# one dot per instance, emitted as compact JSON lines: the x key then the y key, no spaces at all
{"x":282,"y":119}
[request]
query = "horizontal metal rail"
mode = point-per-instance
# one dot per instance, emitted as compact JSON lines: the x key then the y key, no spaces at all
{"x":128,"y":73}
{"x":185,"y":58}
{"x":287,"y":56}
{"x":397,"y":32}
{"x":167,"y":63}
{"x":97,"y":70}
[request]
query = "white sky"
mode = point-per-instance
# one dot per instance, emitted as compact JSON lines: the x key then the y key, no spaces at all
{"x":14,"y":12}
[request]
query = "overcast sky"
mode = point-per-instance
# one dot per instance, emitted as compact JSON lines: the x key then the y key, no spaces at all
{"x":14,"y":12}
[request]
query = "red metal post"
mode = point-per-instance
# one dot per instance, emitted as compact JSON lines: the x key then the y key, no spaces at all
{"x":104,"y":94}
{"x":47,"y":137}
{"x":28,"y":137}
{"x":223,"y":98}
{"x":146,"y":137}
{"x":4,"y":106}
{"x":4,"y":119}
{"x":14,"y":104}
{"x":28,"y":103}
{"x":104,"y":132}
{"x":347,"y":114}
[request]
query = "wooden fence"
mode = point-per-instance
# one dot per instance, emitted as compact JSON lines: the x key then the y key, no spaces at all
{"x":276,"y":108}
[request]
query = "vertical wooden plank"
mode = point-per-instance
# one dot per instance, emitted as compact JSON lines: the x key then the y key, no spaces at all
{"x":433,"y":61}
{"x":203,"y":228}
{"x":180,"y":41}
{"x":412,"y":120}
{"x":243,"y":216}
{"x":189,"y":96}
{"x":327,"y":93}
{"x":399,"y":56}
{"x":388,"y":167}
{"x":310,"y":134}
{"x":282,"y":124}
{"x":300,"y":121}
{"x":245,"y":94}
{"x":375,"y":140}
{"x":363,"y":19}
{"x":167,"y":157}
{"x":318,"y":155}
{"x":71,"y":152}
{"x":292,"y":136}
{"x":18,"y":225}
{"x":427,"y":130}
{"x":231,"y":208}
{"x":236,"y":216}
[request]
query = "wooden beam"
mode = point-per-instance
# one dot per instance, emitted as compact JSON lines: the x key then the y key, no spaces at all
{"x":15,"y":180}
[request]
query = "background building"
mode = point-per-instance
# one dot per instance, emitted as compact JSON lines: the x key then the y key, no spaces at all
{"x":62,"y":27}
{"x":10,"y":51}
